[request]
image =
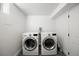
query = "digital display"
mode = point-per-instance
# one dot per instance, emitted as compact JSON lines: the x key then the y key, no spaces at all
{"x":35,"y":34}
{"x":54,"y":34}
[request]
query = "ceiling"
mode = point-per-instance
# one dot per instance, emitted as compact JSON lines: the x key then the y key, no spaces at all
{"x":37,"y":8}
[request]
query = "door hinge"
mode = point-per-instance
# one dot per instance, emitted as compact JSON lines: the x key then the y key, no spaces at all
{"x":68,"y":34}
{"x":68,"y":16}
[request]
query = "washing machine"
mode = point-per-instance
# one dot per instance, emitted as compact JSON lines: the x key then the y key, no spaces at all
{"x":48,"y":43}
{"x":30,"y":43}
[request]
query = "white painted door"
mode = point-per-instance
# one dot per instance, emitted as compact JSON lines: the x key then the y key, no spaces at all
{"x":62,"y":31}
{"x":74,"y":31}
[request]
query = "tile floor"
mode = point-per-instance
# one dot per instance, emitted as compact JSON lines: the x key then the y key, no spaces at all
{"x":58,"y":54}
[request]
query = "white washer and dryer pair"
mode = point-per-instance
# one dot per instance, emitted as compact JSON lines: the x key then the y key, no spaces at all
{"x":47,"y":43}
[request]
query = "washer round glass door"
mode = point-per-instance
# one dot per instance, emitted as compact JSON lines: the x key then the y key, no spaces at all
{"x":49,"y":43}
{"x":30,"y":43}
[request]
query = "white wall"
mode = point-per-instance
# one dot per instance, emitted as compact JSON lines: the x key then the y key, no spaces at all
{"x":34,"y":22}
{"x":12,"y":25}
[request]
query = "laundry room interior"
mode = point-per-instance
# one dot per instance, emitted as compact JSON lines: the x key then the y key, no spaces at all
{"x":54,"y":28}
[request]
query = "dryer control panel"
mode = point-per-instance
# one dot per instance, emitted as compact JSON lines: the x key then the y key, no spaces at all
{"x":54,"y":34}
{"x":35,"y":34}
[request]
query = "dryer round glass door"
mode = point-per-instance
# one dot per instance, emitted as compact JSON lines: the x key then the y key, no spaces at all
{"x":30,"y":44}
{"x":49,"y":43}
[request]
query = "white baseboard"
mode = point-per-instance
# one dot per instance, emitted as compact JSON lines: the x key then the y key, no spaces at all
{"x":16,"y":54}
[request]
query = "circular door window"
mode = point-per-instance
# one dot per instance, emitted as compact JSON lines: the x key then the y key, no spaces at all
{"x":49,"y":43}
{"x":30,"y":44}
